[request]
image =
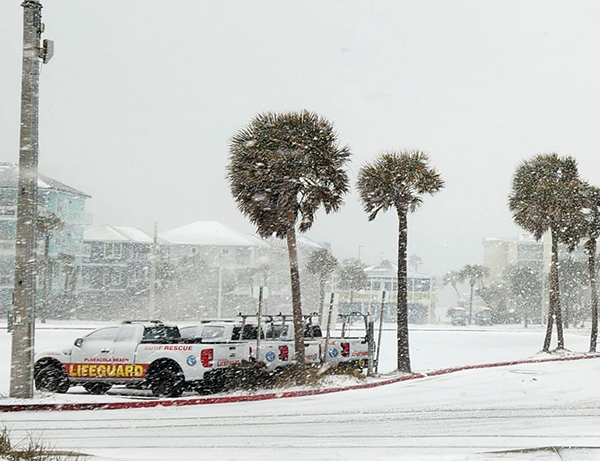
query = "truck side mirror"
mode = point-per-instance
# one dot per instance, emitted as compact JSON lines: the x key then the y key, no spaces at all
{"x":78,"y":342}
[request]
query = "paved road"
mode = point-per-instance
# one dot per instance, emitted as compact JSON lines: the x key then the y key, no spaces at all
{"x":467,"y":415}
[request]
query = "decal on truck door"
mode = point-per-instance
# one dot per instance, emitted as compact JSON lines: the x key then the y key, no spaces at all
{"x":100,"y":370}
{"x":345,"y":349}
{"x":284,"y":353}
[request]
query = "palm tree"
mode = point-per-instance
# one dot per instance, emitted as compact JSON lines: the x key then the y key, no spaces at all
{"x":282,"y":169}
{"x":46,"y":223}
{"x":352,"y":277}
{"x":472,"y":273}
{"x":453,"y":278}
{"x":526,"y":286}
{"x":415,"y":261}
{"x":591,"y":231}
{"x":546,"y":196}
{"x":398,"y":180}
{"x":321,"y":263}
{"x":574,"y":280}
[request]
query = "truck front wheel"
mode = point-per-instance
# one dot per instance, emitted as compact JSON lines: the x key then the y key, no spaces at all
{"x":51,"y":378}
{"x":166,"y":380}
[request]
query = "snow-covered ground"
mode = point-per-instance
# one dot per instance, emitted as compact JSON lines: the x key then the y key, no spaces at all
{"x":472,"y":415}
{"x":432,"y":347}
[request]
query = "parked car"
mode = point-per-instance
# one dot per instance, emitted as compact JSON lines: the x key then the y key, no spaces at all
{"x":458,"y":315}
{"x":483,"y":317}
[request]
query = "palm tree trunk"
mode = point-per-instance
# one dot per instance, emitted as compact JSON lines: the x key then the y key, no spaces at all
{"x":554,"y":301}
{"x":457,"y":293}
{"x":557,"y":309}
{"x":296,"y":300}
{"x":321,"y":297}
{"x":471,"y":304}
{"x":594,"y":293}
{"x":402,"y":302}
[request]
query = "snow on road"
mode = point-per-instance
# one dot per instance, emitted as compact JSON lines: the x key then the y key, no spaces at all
{"x":466,"y":415}
{"x":470,"y":415}
{"x":431,"y":347}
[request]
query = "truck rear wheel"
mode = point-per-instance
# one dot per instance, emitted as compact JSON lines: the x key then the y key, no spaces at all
{"x":97,"y":388}
{"x":51,"y":378}
{"x":166,"y":380}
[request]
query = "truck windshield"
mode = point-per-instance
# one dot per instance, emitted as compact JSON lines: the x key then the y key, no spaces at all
{"x":161,"y":333}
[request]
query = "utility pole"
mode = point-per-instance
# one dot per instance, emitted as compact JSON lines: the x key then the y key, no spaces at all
{"x":220,"y":288}
{"x":23,"y":336}
{"x":153,"y":257}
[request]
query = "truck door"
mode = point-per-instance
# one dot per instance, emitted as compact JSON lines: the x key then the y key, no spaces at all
{"x":125,"y":344}
{"x":96,"y":348}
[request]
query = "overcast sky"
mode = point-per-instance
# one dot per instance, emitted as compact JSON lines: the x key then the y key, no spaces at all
{"x":142,"y":96}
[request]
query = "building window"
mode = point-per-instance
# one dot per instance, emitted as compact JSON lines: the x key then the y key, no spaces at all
{"x":7,"y":230}
{"x":113,"y":250}
{"x":139,"y":274}
{"x":243,"y":256}
{"x":112,"y":277}
{"x":87,"y":250}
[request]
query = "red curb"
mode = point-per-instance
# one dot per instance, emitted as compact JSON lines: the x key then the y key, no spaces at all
{"x":270,"y":396}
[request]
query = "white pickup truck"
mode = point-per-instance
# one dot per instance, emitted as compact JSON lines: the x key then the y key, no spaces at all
{"x":351,"y":347}
{"x":139,"y":353}
{"x":277,"y":348}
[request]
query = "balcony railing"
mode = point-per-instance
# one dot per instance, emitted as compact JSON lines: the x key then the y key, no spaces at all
{"x":7,"y":246}
{"x":8,"y":212}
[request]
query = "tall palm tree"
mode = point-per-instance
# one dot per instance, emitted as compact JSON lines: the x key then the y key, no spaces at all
{"x":545,"y":196}
{"x":591,"y":231}
{"x":282,"y":169}
{"x":525,"y":284}
{"x":415,"y":261}
{"x":46,"y":223}
{"x":452,"y":278}
{"x":352,"y":277}
{"x":321,"y":263}
{"x":398,"y":180}
{"x":472,"y":273}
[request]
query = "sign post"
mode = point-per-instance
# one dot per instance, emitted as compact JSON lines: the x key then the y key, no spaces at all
{"x":260,"y":293}
{"x":370,"y":344}
{"x":380,"y":329}
{"x":332,"y":303}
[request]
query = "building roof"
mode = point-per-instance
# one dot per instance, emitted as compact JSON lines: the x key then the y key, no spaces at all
{"x":388,"y":269}
{"x":302,"y":242}
{"x":208,"y":233}
{"x":116,"y":234}
{"x":9,"y":179}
